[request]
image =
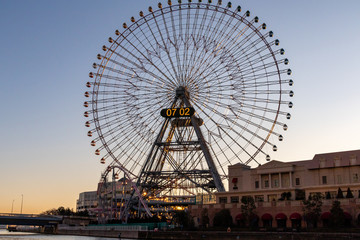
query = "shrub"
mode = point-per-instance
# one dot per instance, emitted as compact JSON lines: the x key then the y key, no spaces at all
{"x":223,"y":218}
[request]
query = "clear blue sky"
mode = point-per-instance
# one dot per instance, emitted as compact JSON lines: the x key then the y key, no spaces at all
{"x":47,"y":49}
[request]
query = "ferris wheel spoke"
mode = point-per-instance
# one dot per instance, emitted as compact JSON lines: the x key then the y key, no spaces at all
{"x":170,"y":43}
{"x":240,"y":45}
{"x":261,"y":100}
{"x":187,"y":41}
{"x":193,"y":35}
{"x":215,"y":153}
{"x":249,"y":141}
{"x":248,"y":51}
{"x":175,"y":43}
{"x":125,"y":143}
{"x":134,"y":76}
{"x":259,"y":68}
{"x":249,"y":58}
{"x":209,"y":68}
{"x":252,"y":114}
{"x":259,"y":84}
{"x":128,"y":76}
{"x":238,"y":117}
{"x":163,"y":46}
{"x":201,"y":47}
{"x":209,"y":26}
{"x":143,"y":63}
{"x":260,"y":108}
{"x":225,"y":132}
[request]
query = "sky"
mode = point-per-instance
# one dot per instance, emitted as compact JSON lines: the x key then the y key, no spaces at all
{"x":46,"y":52}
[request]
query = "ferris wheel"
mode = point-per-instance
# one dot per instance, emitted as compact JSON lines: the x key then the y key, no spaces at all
{"x":217,"y":62}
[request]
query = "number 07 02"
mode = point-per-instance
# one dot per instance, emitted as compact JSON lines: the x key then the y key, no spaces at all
{"x":177,"y":112}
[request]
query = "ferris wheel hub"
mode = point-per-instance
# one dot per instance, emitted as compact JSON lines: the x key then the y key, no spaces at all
{"x":182,"y":92}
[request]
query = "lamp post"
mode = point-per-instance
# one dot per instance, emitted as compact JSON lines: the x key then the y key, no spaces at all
{"x":22,"y":200}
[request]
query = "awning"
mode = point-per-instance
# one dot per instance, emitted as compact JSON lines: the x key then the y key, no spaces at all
{"x":280,"y":216}
{"x":325,"y":216}
{"x":347,"y":216}
{"x":295,"y":216}
{"x":266,"y":216}
{"x":239,"y":217}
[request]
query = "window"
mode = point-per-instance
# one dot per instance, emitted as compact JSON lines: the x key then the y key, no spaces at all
{"x":222,"y":199}
{"x":266,"y":183}
{"x":276,"y":182}
{"x":259,"y":198}
{"x":286,"y":181}
{"x":234,"y":199}
{"x":324,"y":180}
{"x":355,"y":177}
{"x":339,"y":179}
{"x":297,"y":181}
{"x":272,"y":197}
{"x":256,"y":184}
{"x":234,"y":181}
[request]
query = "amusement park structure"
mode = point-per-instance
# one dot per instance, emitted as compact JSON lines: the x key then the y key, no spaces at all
{"x":177,"y":96}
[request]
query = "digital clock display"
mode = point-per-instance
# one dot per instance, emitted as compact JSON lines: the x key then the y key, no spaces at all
{"x":177,"y":112}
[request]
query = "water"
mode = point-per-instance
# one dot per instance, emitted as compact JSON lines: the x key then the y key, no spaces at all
{"x":4,"y":234}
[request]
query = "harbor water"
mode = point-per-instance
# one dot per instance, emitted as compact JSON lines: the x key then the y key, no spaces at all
{"x":4,"y":234}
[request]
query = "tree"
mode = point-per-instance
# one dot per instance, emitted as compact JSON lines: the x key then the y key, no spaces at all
{"x":223,"y":218}
{"x":288,"y":196}
{"x":340,"y":194}
{"x":349,"y":194}
{"x":61,"y":211}
{"x":247,"y":208}
{"x":337,"y":215}
{"x":84,"y":213}
{"x":283,"y":196}
{"x":312,"y":208}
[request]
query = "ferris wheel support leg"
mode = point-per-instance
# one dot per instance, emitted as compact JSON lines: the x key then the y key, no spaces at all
{"x":215,"y":174}
{"x":147,"y":165}
{"x":151,"y":157}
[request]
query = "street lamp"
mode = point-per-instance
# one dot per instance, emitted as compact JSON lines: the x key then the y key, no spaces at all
{"x":22,"y":200}
{"x":12,"y":206}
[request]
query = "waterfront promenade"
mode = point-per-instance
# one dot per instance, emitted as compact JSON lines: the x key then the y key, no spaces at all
{"x":212,"y":235}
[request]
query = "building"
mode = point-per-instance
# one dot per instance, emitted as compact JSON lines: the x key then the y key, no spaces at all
{"x":87,"y":201}
{"x":279,"y":188}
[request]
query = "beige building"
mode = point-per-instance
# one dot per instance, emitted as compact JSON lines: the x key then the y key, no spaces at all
{"x":279,"y":187}
{"x":87,"y":201}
